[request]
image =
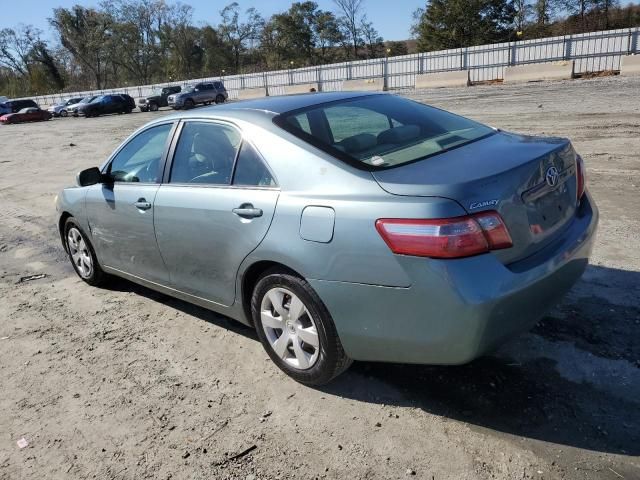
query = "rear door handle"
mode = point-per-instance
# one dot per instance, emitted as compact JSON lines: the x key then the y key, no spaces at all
{"x":142,"y":204}
{"x":246,"y":210}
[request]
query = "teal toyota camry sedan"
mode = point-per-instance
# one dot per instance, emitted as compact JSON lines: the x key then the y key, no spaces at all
{"x":342,"y":226}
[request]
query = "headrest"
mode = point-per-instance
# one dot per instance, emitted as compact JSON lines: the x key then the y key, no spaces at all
{"x":399,"y":134}
{"x":358,"y":143}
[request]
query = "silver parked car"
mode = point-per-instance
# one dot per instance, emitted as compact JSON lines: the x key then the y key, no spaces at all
{"x":62,"y":109}
{"x":74,"y":108}
{"x":341,"y":225}
{"x":201,"y":93}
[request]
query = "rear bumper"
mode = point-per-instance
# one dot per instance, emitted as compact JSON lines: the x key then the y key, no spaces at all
{"x":457,"y":310}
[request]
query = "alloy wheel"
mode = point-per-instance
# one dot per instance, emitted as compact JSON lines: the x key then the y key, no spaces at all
{"x":290,"y":328}
{"x":79,"y":252}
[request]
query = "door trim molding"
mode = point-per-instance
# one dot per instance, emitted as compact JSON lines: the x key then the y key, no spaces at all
{"x":172,"y":292}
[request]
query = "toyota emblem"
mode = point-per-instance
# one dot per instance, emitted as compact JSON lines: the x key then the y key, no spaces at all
{"x":552,"y":176}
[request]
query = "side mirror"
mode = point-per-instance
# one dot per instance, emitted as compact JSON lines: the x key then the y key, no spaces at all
{"x":90,"y":176}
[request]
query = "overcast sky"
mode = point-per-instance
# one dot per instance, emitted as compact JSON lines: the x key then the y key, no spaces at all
{"x":391,"y":19}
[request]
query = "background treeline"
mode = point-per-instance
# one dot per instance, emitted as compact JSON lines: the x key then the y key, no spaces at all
{"x":141,"y":42}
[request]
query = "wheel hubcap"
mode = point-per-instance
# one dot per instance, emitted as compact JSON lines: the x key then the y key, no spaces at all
{"x":79,"y":251}
{"x":290,"y":328}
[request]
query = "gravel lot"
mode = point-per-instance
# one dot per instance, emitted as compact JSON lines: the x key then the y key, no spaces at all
{"x":125,"y":383}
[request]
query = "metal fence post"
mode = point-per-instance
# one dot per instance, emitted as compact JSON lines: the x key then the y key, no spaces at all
{"x":319,"y":78}
{"x":266,"y":83}
{"x":567,"y":45}
{"x":513,"y":53}
{"x":385,"y":73}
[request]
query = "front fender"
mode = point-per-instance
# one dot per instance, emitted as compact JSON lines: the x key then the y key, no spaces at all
{"x":71,"y":202}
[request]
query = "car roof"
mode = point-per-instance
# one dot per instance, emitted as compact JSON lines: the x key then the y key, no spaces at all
{"x":264,"y":109}
{"x":286,"y":103}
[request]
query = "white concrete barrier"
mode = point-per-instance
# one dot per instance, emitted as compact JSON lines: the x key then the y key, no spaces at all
{"x":458,"y":78}
{"x":367,"y":85}
{"x":249,"y":93}
{"x":535,"y":72}
{"x":304,"y":88}
{"x":630,"y":65}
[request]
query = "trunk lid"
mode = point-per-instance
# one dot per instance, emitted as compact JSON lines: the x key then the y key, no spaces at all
{"x":530,"y":181}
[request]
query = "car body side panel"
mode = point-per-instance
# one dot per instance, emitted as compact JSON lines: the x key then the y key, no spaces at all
{"x":202,"y":241}
{"x":122,"y":233}
{"x":72,"y":201}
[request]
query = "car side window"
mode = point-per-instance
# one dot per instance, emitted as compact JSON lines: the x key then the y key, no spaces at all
{"x":301,"y":121}
{"x":251,"y":170}
{"x":205,"y":154}
{"x":140,"y":159}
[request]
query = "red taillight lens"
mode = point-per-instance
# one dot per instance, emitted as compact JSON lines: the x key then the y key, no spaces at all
{"x":581,"y":177}
{"x":495,"y":231}
{"x":446,"y":237}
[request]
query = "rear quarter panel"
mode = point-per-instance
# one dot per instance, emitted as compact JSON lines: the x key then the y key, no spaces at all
{"x":356,"y":252}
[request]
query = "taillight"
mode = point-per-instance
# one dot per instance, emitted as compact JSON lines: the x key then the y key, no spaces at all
{"x":581,"y":177}
{"x":446,"y":237}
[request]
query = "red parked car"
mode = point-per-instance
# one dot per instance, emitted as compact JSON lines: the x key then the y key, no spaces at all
{"x":26,"y":115}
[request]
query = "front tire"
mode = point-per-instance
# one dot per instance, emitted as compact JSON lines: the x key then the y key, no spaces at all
{"x":296,"y":329}
{"x":188,"y":104}
{"x":153,"y":107}
{"x":81,"y":254}
{"x":64,"y":113}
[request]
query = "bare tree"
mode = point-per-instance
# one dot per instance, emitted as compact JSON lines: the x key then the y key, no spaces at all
{"x":16,"y":47}
{"x":238,"y":33}
{"x":351,"y":12}
{"x":86,"y":33}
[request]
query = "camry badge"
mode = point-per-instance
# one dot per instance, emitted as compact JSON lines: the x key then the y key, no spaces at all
{"x":486,"y":203}
{"x":552,"y":176}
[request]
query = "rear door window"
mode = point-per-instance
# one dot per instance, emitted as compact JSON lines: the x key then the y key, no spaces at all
{"x":250,"y":170}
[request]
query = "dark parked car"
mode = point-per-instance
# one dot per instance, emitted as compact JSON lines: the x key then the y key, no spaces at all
{"x":106,"y":104}
{"x":13,"y":106}
{"x":26,"y":115}
{"x":157,"y":99}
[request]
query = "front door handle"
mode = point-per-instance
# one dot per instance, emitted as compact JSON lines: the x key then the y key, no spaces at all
{"x":142,"y":204}
{"x":246,"y":210}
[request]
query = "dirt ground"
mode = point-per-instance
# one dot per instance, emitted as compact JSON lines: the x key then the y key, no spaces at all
{"x":124,"y":383}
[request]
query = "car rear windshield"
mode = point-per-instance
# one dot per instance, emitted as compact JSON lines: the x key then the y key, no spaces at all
{"x":381,"y":131}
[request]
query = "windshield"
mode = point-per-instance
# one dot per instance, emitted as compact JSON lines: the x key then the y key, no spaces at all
{"x":97,"y":99}
{"x":188,"y":88}
{"x":381,"y":131}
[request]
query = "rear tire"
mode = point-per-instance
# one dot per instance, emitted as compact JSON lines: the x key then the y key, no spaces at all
{"x":296,"y":329}
{"x":81,"y":254}
{"x":153,"y":107}
{"x":220,"y":99}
